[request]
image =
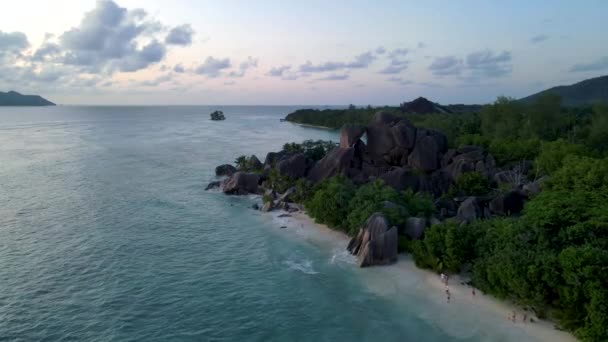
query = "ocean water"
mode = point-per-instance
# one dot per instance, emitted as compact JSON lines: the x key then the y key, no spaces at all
{"x":107,"y":234}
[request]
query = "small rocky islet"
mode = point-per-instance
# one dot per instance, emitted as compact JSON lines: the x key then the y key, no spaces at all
{"x":403,"y":157}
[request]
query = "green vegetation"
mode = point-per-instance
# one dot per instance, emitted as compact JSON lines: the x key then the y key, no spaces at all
{"x":313,"y":149}
{"x":469,"y":184}
{"x":339,"y":204}
{"x":335,"y":118}
{"x":248,"y":164}
{"x":553,"y":259}
{"x":329,"y":204}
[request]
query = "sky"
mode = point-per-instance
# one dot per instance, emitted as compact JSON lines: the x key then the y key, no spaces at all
{"x":183,"y":52}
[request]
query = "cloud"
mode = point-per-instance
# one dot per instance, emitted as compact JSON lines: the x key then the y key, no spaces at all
{"x":108,"y":37}
{"x":361,"y":61}
{"x":380,"y":50}
{"x":212,"y":67}
{"x":400,"y":81}
{"x":180,"y":35}
{"x":397,"y":53}
{"x":489,"y":64}
{"x":11,"y":46}
{"x":446,"y":65}
{"x":422,"y":45}
{"x":327,"y":66}
{"x":178,"y":68}
{"x":13,"y":41}
{"x":539,"y":38}
{"x":597,"y":65}
{"x":157,"y":81}
{"x":335,"y":77}
{"x":229,"y":83}
{"x":278,"y":71}
{"x":250,"y":63}
{"x":395,"y":66}
{"x":48,"y":49}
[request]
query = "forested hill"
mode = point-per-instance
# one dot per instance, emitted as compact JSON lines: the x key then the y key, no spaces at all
{"x":335,"y":118}
{"x":580,"y":94}
{"x":13,"y":98}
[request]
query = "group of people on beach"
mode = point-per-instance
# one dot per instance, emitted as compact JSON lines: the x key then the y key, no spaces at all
{"x":512,"y":317}
{"x":445,"y":279}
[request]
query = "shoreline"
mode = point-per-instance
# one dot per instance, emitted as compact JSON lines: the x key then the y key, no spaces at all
{"x":310,"y":126}
{"x":463,"y":316}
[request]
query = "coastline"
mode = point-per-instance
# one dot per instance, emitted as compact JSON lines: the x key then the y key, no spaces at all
{"x":465,"y":316}
{"x":311,"y":126}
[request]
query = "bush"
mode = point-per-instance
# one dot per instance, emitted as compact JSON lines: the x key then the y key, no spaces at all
{"x":244,"y":163}
{"x":510,"y":150}
{"x":313,"y":149}
{"x":552,"y":155}
{"x":469,"y":184}
{"x":418,"y":204}
{"x":278,"y":182}
{"x":580,"y":173}
{"x":329,"y":204}
{"x":371,"y":198}
{"x":443,"y":249}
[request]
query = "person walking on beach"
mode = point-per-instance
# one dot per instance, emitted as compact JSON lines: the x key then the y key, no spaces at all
{"x":514,"y":316}
{"x":447,"y":292}
{"x":473,"y":291}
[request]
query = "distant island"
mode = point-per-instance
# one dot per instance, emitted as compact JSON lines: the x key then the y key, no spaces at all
{"x":584,"y":93}
{"x":576,"y":98}
{"x":13,"y":98}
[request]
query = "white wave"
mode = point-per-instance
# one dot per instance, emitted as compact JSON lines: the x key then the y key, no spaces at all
{"x":304,"y":266}
{"x":342,"y":256}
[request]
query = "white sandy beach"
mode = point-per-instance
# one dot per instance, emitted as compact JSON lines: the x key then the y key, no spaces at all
{"x":465,"y":316}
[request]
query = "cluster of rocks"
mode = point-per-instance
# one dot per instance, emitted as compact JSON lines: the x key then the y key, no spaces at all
{"x":404,"y":157}
{"x":217,"y":115}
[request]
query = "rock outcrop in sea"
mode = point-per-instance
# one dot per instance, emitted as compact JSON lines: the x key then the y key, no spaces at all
{"x":217,"y":115}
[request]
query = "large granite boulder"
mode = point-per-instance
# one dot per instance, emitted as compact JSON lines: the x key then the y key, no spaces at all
{"x":350,"y":134}
{"x":414,"y":227}
{"x":273,"y":157}
{"x":225,"y":170}
{"x":468,"y":158}
{"x":385,"y":118}
{"x":379,"y":142}
{"x":242,"y":183}
{"x":509,"y":203}
{"x":425,"y":155}
{"x":339,"y":161}
{"x":376,"y":243}
{"x":404,"y":134}
{"x":401,"y":179}
{"x":470,"y":210}
{"x":293,"y":167}
{"x":255,"y":163}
